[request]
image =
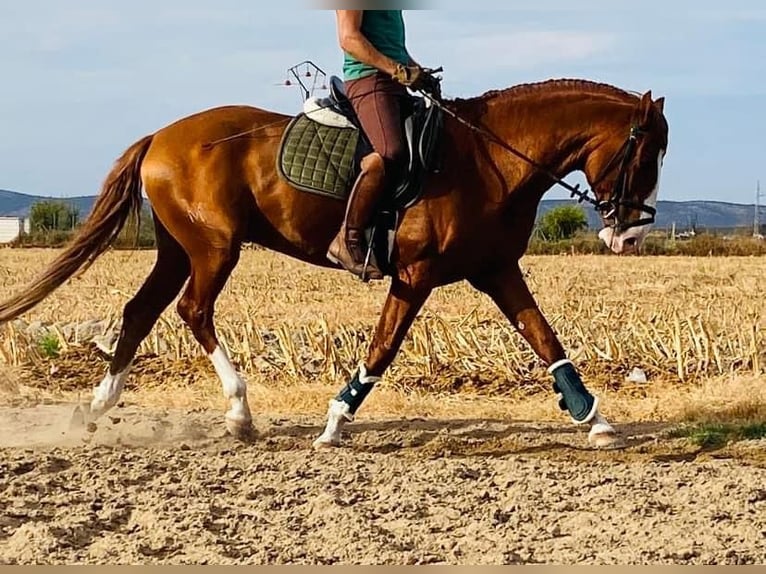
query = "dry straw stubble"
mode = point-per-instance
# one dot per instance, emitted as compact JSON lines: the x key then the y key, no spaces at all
{"x":681,"y":320}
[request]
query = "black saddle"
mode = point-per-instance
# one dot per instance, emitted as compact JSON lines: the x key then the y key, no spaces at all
{"x":422,"y":129}
{"x":321,"y":154}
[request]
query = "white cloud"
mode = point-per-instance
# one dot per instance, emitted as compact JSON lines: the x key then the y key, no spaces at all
{"x":531,"y":49}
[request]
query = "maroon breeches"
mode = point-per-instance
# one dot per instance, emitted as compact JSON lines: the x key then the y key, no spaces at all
{"x":379,"y":103}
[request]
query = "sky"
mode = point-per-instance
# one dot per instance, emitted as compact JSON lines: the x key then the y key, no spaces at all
{"x":83,"y":79}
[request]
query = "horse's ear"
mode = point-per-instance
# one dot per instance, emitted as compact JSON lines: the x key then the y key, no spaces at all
{"x":645,"y":108}
{"x":660,"y":103}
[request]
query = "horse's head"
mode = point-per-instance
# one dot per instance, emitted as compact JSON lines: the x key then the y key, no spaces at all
{"x":624,"y":173}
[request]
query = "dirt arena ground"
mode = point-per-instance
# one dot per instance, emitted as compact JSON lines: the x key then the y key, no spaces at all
{"x":169,"y":486}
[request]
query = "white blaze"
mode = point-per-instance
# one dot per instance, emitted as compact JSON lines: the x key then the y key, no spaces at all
{"x":617,"y":241}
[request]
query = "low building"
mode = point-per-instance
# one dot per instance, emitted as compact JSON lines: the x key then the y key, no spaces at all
{"x":12,"y":227}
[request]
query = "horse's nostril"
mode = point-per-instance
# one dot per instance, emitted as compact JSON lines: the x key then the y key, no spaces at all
{"x":630,"y":242}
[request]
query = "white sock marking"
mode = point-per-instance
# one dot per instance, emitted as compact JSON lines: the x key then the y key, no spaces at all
{"x":107,"y":393}
{"x":601,"y":432}
{"x":337,"y":416}
{"x":234,"y":388}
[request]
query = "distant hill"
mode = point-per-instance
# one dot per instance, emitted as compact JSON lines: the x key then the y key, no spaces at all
{"x":685,"y":214}
{"x":19,"y":204}
{"x":703,"y":214}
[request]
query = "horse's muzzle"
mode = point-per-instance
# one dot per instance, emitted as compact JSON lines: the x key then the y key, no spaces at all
{"x":626,"y":242}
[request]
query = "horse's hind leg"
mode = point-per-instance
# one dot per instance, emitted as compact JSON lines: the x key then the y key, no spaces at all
{"x":401,"y":307}
{"x":141,"y":313}
{"x":210,"y":271}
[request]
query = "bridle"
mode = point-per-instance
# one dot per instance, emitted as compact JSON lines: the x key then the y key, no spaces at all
{"x":608,"y":208}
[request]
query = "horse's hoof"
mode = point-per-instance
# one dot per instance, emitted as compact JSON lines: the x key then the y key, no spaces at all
{"x":80,"y":418}
{"x":324,"y":443}
{"x":241,"y":430}
{"x":605,"y":440}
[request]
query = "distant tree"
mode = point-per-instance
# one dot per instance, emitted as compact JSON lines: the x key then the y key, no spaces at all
{"x":130,"y":237}
{"x":562,"y":222}
{"x":48,"y":216}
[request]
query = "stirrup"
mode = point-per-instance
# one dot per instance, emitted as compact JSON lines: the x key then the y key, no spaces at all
{"x":365,"y":265}
{"x":363,"y":276}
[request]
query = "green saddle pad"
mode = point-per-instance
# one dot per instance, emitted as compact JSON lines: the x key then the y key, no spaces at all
{"x":317,"y":158}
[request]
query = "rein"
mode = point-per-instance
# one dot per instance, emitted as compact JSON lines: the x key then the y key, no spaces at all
{"x":608,"y":209}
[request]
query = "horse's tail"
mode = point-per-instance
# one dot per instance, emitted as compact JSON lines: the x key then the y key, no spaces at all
{"x":120,"y":198}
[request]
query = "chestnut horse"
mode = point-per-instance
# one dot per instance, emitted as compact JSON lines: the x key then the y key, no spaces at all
{"x":473,"y":222}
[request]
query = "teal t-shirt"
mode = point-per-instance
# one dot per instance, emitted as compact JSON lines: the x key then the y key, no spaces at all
{"x":385,"y":30}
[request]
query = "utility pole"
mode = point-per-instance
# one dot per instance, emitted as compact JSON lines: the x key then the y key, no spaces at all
{"x":757,"y":216}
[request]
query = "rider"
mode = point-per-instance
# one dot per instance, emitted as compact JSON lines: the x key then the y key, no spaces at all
{"x":377,"y":71}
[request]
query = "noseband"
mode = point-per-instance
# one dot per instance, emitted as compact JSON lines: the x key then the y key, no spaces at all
{"x":610,"y":208}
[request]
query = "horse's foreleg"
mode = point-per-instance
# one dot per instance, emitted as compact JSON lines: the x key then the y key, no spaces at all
{"x":401,"y":307}
{"x":509,"y":291}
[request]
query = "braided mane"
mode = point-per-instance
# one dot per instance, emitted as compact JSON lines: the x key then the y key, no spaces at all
{"x":556,"y":85}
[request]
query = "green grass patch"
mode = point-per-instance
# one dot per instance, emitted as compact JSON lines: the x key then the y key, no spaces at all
{"x":49,"y":345}
{"x":715,"y":435}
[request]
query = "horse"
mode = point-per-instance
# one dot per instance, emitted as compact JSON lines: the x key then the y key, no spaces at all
{"x":213,"y":186}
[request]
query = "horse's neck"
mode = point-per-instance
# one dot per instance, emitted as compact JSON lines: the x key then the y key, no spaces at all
{"x":559,"y":131}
